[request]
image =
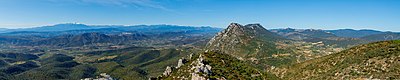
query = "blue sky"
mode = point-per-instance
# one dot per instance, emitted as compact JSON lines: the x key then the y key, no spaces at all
{"x":316,"y":14}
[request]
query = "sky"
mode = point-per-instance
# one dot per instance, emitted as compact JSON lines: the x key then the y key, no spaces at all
{"x":302,"y":14}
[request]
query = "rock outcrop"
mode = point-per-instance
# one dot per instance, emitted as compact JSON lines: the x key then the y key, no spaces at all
{"x":181,"y":62}
{"x":199,"y":67}
{"x":167,"y":71}
{"x":103,"y":76}
{"x":214,"y":66}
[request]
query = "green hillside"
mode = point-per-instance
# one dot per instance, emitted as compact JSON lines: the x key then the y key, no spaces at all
{"x":379,"y":60}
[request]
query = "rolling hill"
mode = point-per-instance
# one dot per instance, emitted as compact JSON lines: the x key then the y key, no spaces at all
{"x":379,"y":60}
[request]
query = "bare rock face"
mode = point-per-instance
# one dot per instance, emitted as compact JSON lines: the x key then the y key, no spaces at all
{"x":197,"y":77}
{"x":190,"y":56}
{"x":167,"y":71}
{"x":103,"y":76}
{"x":200,"y":68}
{"x":213,"y":66}
{"x":181,"y":62}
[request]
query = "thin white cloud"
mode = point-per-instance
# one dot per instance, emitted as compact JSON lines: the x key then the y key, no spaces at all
{"x":121,"y":3}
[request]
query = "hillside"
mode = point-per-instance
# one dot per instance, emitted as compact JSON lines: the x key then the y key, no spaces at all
{"x":128,"y":64}
{"x":213,"y":65}
{"x":12,"y":40}
{"x":379,"y":60}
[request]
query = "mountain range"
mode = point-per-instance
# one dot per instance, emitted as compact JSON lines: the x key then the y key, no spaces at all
{"x":355,"y":33}
{"x":77,"y":26}
{"x":170,"y":52}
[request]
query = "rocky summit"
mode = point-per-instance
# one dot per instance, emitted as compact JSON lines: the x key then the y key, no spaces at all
{"x":244,"y":42}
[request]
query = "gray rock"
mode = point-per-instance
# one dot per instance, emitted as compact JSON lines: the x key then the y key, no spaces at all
{"x":181,"y":62}
{"x":167,"y":71}
{"x":190,"y":56}
{"x":103,"y":76}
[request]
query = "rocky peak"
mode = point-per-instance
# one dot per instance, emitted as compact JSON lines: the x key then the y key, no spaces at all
{"x":254,"y":26}
{"x":235,"y":28}
{"x":234,"y":25}
{"x":236,"y":39}
{"x":103,"y":76}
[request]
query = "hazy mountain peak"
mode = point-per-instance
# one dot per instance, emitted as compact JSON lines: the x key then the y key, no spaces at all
{"x":69,"y":24}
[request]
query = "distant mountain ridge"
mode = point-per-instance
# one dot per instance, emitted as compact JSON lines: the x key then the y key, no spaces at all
{"x":76,"y":26}
{"x":351,"y":33}
{"x":67,"y":34}
{"x":89,"y":39}
{"x":303,"y":34}
{"x":57,"y":27}
{"x":382,"y":37}
{"x":3,"y":29}
{"x":63,"y":29}
{"x":346,"y":33}
{"x":341,"y":37}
